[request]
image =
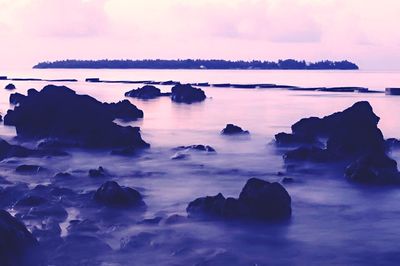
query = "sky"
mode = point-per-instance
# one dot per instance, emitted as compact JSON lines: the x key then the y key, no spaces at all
{"x":363,"y":31}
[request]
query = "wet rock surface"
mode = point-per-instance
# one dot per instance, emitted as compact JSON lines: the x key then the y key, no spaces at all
{"x":56,"y":112}
{"x":259,"y":200}
{"x":185,"y":93}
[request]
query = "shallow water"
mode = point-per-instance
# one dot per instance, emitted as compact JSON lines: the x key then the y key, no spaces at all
{"x":334,"y":222}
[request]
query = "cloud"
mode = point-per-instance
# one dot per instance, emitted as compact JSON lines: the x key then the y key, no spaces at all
{"x":357,"y":30}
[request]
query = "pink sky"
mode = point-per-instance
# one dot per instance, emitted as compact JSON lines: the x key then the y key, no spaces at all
{"x":363,"y":31}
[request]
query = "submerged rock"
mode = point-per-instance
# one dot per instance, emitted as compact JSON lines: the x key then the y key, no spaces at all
{"x":57,"y":112}
{"x":259,"y":200}
{"x":28,"y":168}
{"x":232,"y":129}
{"x":10,"y":87}
{"x":17,"y":245}
{"x":198,"y":147}
{"x":185,"y":93}
{"x":100,"y":172}
{"x":146,"y":92}
{"x":111,"y":194}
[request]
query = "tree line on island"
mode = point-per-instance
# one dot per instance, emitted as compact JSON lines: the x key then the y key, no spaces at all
{"x":198,"y":64}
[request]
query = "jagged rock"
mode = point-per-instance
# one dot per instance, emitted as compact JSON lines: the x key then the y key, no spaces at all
{"x":375,"y":168}
{"x":17,"y":245}
{"x":259,"y":200}
{"x":231,"y":129}
{"x":10,"y":87}
{"x":185,"y":93}
{"x":57,"y":112}
{"x":113,"y":195}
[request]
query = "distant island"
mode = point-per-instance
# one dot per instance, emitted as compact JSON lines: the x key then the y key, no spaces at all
{"x":199,"y":64}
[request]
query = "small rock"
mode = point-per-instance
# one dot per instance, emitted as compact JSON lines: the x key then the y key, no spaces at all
{"x":231,"y":129}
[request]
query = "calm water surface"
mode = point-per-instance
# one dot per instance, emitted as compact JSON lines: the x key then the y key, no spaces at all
{"x":334,"y":222}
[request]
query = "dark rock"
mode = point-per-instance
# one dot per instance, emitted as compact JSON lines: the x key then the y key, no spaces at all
{"x":62,"y":175}
{"x":198,"y":147}
{"x":175,"y":219}
{"x":313,"y":154}
{"x":146,"y":92}
{"x":259,"y":200}
{"x":27,"y":168}
{"x":92,"y":80}
{"x":10,"y":87}
{"x":113,"y":195}
{"x":181,"y":93}
{"x":151,"y":221}
{"x":31,"y":200}
{"x":375,"y":168}
{"x":16,"y":98}
{"x":392,"y":91}
{"x":231,"y":129}
{"x":79,"y":227}
{"x":57,"y":113}
{"x":287,"y":180}
{"x":125,"y":152}
{"x":100,"y":172}
{"x":392,"y":143}
{"x":124,"y":110}
{"x":143,"y":239}
{"x":349,"y":134}
{"x":292,"y":139}
{"x":17,"y":245}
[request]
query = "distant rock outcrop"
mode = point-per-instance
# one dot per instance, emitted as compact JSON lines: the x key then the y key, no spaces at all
{"x":57,"y":112}
{"x":259,"y":200}
{"x":146,"y":92}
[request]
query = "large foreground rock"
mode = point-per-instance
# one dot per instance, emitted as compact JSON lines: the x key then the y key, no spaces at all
{"x":185,"y":93}
{"x":111,"y":194}
{"x":259,"y":200}
{"x":17,"y":245}
{"x":57,"y":112}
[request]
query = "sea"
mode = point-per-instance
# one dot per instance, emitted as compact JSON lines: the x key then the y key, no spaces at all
{"x":334,"y":222}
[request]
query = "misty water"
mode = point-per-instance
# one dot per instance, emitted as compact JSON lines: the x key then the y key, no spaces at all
{"x":333,"y":221}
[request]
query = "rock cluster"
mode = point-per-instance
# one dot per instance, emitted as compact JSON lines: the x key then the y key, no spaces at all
{"x":259,"y":200}
{"x":57,"y":112}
